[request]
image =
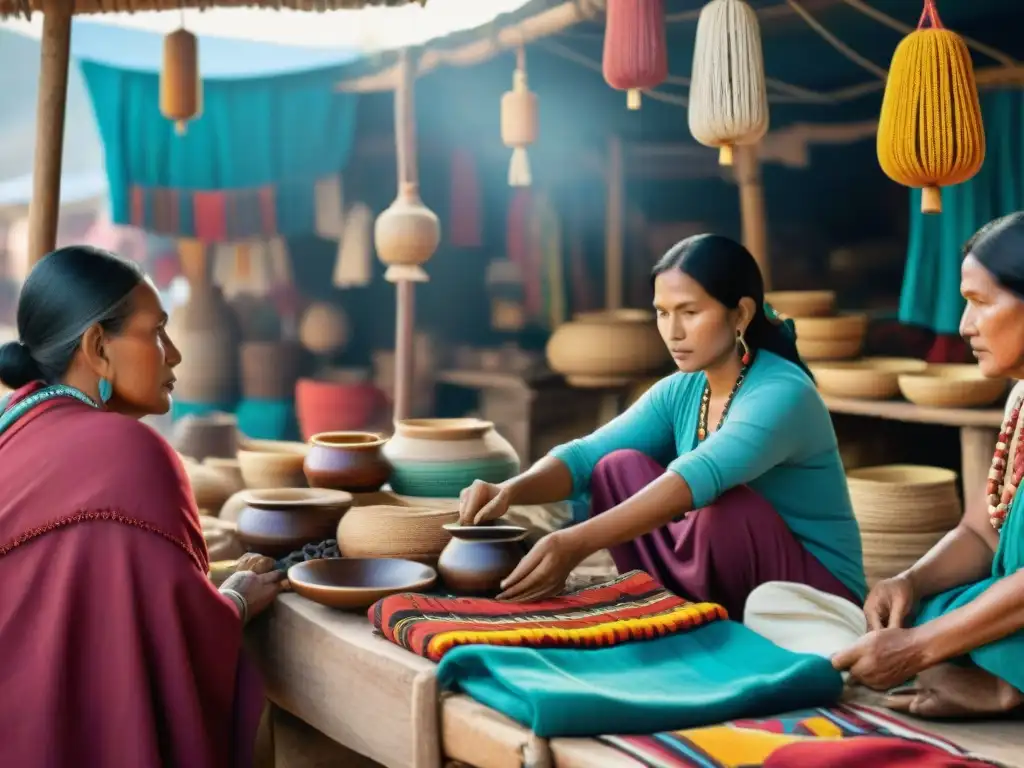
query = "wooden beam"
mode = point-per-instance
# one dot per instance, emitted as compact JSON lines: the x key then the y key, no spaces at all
{"x":549,"y":22}
{"x":752,"y":208}
{"x":615,"y":226}
{"x":55,"y":48}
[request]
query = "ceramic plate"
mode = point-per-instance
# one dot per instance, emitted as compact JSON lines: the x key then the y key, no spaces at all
{"x":485,"y":532}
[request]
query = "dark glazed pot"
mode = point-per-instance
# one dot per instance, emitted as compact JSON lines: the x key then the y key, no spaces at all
{"x":472,"y":565}
{"x":278,"y":521}
{"x":347,"y":461}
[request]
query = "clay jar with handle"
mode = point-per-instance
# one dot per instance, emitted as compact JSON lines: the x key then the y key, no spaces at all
{"x":478,"y":558}
{"x":347,"y":461}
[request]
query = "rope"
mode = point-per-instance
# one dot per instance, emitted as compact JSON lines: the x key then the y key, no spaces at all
{"x":728,"y":100}
{"x":895,"y":24}
{"x":835,"y":42}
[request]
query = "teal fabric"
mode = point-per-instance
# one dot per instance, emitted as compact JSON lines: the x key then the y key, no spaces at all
{"x":268,"y":419}
{"x":778,"y":439}
{"x":931,"y":281}
{"x":1002,"y":658}
{"x":715,"y":673}
{"x":286,"y":131}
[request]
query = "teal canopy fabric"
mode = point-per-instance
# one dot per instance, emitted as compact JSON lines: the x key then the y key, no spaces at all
{"x":931,"y":282}
{"x":261,"y":144}
{"x":715,"y":673}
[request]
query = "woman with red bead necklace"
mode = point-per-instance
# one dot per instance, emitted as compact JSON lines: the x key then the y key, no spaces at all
{"x":955,"y":620}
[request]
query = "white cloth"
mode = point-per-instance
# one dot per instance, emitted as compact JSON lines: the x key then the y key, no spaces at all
{"x":802,"y":619}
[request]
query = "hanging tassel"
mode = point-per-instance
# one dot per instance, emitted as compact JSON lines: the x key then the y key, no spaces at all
{"x":519,"y":169}
{"x":465,"y":201}
{"x":330,"y":211}
{"x":519,"y":123}
{"x":353,"y":267}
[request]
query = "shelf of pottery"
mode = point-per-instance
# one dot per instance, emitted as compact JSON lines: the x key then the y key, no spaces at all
{"x":353,"y":494}
{"x":927,"y":497}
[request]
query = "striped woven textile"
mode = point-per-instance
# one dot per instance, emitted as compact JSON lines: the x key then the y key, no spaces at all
{"x":832,"y":737}
{"x":629,"y":608}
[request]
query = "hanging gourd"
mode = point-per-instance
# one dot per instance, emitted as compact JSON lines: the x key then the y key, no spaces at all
{"x":407,"y":233}
{"x":930,"y":134}
{"x":519,"y":123}
{"x":181,"y":89}
{"x":635,"y":48}
{"x":728,"y":98}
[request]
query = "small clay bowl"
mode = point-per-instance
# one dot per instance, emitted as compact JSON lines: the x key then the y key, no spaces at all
{"x":279,"y":521}
{"x":347,"y":461}
{"x":479,"y":557}
{"x":272,"y":463}
{"x":353,"y":584}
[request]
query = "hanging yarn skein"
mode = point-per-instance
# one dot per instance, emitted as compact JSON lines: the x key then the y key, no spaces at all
{"x":635,"y":48}
{"x":181,"y":88}
{"x":728,"y":97}
{"x":519,"y":123}
{"x":930,"y":133}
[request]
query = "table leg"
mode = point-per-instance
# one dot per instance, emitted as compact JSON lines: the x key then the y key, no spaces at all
{"x":976,"y":447}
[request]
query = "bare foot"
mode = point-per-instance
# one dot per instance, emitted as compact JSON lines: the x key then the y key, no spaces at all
{"x":949,"y":690}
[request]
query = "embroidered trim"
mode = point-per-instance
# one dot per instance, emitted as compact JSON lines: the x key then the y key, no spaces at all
{"x":108,"y":515}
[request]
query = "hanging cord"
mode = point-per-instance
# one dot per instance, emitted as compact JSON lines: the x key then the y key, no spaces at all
{"x":895,"y":24}
{"x":835,"y":42}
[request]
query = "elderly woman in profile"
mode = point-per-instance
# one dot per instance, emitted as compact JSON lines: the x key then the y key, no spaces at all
{"x":955,"y":620}
{"x":116,"y":650}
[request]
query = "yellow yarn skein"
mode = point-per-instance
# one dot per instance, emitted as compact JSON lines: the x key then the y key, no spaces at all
{"x":930,"y":133}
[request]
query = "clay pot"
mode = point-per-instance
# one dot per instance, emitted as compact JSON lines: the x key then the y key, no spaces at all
{"x":478,"y":558}
{"x":269,"y":369}
{"x":202,"y":437}
{"x":332,"y":406}
{"x":279,"y":521}
{"x":205,"y":330}
{"x":347,"y":461}
{"x":439,"y":457}
{"x":601,"y":349}
{"x":412,"y":533}
{"x":272,"y":464}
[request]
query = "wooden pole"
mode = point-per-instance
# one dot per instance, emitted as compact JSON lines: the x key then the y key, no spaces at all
{"x":752,"y":208}
{"x":44,"y":209}
{"x":614,"y":226}
{"x":405,"y":294}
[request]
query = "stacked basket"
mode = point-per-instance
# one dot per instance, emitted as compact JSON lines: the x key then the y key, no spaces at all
{"x":903,"y":511}
{"x":821,"y":334}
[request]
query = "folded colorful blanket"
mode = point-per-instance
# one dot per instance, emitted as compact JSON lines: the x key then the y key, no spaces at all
{"x":629,"y":608}
{"x":828,"y":737}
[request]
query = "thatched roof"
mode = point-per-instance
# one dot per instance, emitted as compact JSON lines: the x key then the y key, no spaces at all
{"x":24,"y":8}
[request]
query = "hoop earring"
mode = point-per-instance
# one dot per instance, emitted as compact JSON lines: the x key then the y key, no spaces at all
{"x":106,"y":390}
{"x":745,"y":355}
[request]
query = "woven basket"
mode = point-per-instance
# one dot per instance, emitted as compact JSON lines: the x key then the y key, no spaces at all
{"x":952,"y":386}
{"x":890,"y":554}
{"x":830,"y":349}
{"x":411,"y":533}
{"x":802,"y":303}
{"x":868,"y":379}
{"x":831,"y":328}
{"x":904,"y":499}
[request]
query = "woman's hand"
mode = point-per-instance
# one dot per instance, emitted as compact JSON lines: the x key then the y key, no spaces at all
{"x":250,"y":561}
{"x":890,"y":603}
{"x":482,"y":502}
{"x":544,"y":570}
{"x":883,"y":658}
{"x":258,"y":589}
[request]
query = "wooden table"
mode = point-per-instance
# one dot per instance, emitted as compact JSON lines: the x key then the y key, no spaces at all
{"x":979,"y":428}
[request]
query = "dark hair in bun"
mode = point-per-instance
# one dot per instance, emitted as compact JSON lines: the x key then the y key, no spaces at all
{"x":66,"y":293}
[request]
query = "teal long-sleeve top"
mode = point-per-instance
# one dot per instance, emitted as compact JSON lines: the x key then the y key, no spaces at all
{"x":777,"y":439}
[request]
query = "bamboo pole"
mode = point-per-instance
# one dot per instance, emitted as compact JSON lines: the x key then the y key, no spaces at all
{"x":615,"y":229}
{"x":752,"y":208}
{"x":44,"y":209}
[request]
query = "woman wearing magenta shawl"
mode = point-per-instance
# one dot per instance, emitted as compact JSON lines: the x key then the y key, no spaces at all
{"x":116,"y":649}
{"x":955,"y":620}
{"x":721,"y":477}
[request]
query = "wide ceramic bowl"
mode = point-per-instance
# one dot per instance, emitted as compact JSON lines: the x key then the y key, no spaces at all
{"x":952,"y":386}
{"x":352,"y":584}
{"x":871,"y":378}
{"x":272,"y":463}
{"x":279,"y":521}
{"x":347,"y":461}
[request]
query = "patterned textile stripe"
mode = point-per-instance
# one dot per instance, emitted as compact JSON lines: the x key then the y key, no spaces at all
{"x":629,"y":608}
{"x":749,"y":743}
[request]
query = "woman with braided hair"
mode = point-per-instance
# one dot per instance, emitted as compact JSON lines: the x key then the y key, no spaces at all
{"x":116,"y":649}
{"x":722,"y":477}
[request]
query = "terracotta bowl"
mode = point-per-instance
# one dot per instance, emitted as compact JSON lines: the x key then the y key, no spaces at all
{"x":353,"y":584}
{"x":279,"y":521}
{"x":347,"y":461}
{"x":272,"y":463}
